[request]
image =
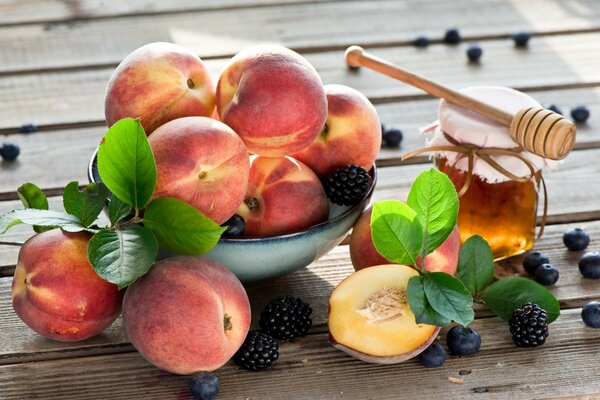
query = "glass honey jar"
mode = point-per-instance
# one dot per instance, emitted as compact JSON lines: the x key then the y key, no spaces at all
{"x":498,"y":182}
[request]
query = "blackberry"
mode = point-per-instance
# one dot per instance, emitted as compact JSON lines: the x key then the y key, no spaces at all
{"x":204,"y":385}
{"x":433,"y":357}
{"x":258,"y":351}
{"x":534,"y":260}
{"x":529,"y":326}
{"x":521,"y":39}
{"x":347,"y":186}
{"x":474,"y":53}
{"x":286,"y":318}
{"x":463,"y":341}
{"x":576,"y":239}
{"x":452,"y":36}
{"x":9,"y":151}
{"x":235,"y":226}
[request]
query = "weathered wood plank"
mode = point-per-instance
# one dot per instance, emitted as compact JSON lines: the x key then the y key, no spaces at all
{"x":310,"y":368}
{"x":302,"y":27}
{"x":313,"y":284}
{"x":15,"y":12}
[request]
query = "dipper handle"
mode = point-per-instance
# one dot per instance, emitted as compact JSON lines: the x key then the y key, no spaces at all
{"x":537,"y":130}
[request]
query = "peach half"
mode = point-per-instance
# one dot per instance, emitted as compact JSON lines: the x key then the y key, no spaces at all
{"x":371,"y":320}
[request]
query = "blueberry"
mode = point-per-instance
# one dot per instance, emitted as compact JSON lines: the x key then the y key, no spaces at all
{"x":521,"y":38}
{"x":576,"y":239}
{"x":555,"y":108}
{"x":590,"y":314}
{"x":534,"y":260}
{"x":235,"y":226}
{"x":382,"y":131}
{"x":28,"y":128}
{"x":204,"y":385}
{"x":433,"y":357}
{"x":463,"y":341}
{"x":9,"y":151}
{"x":474,"y":52}
{"x":546,"y":275}
{"x":452,"y":36}
{"x":589,"y":265}
{"x":393,"y":137}
{"x":421,"y":41}
{"x":580,"y":114}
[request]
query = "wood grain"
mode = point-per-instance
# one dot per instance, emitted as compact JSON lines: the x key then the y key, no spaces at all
{"x":313,"y":284}
{"x":321,"y":372}
{"x":560,"y":62}
{"x":302,"y":27}
{"x":13,"y":12}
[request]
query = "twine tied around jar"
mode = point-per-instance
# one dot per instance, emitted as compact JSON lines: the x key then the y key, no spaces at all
{"x":485,"y":154}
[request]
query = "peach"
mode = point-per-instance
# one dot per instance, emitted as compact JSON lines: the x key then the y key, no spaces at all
{"x":351,"y":135}
{"x":157,"y":83}
{"x":370,"y":318}
{"x":283,"y":196}
{"x":273,"y":98}
{"x":56,"y":291}
{"x":363,"y":253}
{"x":203,"y":162}
{"x":188,"y":314}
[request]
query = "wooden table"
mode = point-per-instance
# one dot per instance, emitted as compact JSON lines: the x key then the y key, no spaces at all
{"x":55,"y":61}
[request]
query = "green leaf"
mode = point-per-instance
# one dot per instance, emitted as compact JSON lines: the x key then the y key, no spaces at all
{"x":396,"y":231}
{"x":32,"y":197}
{"x":419,"y":305}
{"x":433,"y":197}
{"x":45,"y":218}
{"x":126,"y":164}
{"x":180,"y":227}
{"x":508,"y":294}
{"x":449,"y":297}
{"x":121,"y":256}
{"x":117,"y":210}
{"x":85,"y":205}
{"x":475,"y":264}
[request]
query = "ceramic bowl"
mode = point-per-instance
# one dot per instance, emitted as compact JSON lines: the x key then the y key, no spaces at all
{"x":256,"y":259}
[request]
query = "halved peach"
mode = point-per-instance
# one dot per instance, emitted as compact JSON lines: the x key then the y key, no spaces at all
{"x":370,"y":318}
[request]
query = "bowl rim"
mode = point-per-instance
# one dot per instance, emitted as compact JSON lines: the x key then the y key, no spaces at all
{"x":320,"y":225}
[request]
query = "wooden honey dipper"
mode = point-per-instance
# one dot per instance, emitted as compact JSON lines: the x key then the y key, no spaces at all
{"x":536,"y":129}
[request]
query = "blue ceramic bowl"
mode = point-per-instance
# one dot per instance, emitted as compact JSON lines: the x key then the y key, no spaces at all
{"x":255,"y":259}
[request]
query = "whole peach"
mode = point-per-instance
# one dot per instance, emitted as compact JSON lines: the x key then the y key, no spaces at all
{"x":188,"y":314}
{"x":363,"y":253}
{"x":157,"y":83}
{"x":284,"y":196}
{"x":273,"y":98}
{"x":56,"y":291}
{"x":352,"y":133}
{"x":203,"y":162}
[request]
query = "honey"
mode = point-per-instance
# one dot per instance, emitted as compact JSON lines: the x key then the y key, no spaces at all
{"x":503,"y":213}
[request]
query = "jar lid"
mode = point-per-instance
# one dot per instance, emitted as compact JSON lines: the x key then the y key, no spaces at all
{"x":468,"y":127}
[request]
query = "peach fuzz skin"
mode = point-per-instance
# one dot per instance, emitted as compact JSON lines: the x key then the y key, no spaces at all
{"x":157,"y":83}
{"x":56,"y":291}
{"x":203,"y":162}
{"x":188,"y":314}
{"x":273,"y":98}
{"x":352,"y":133}
{"x":363,"y":253}
{"x":283,"y":196}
